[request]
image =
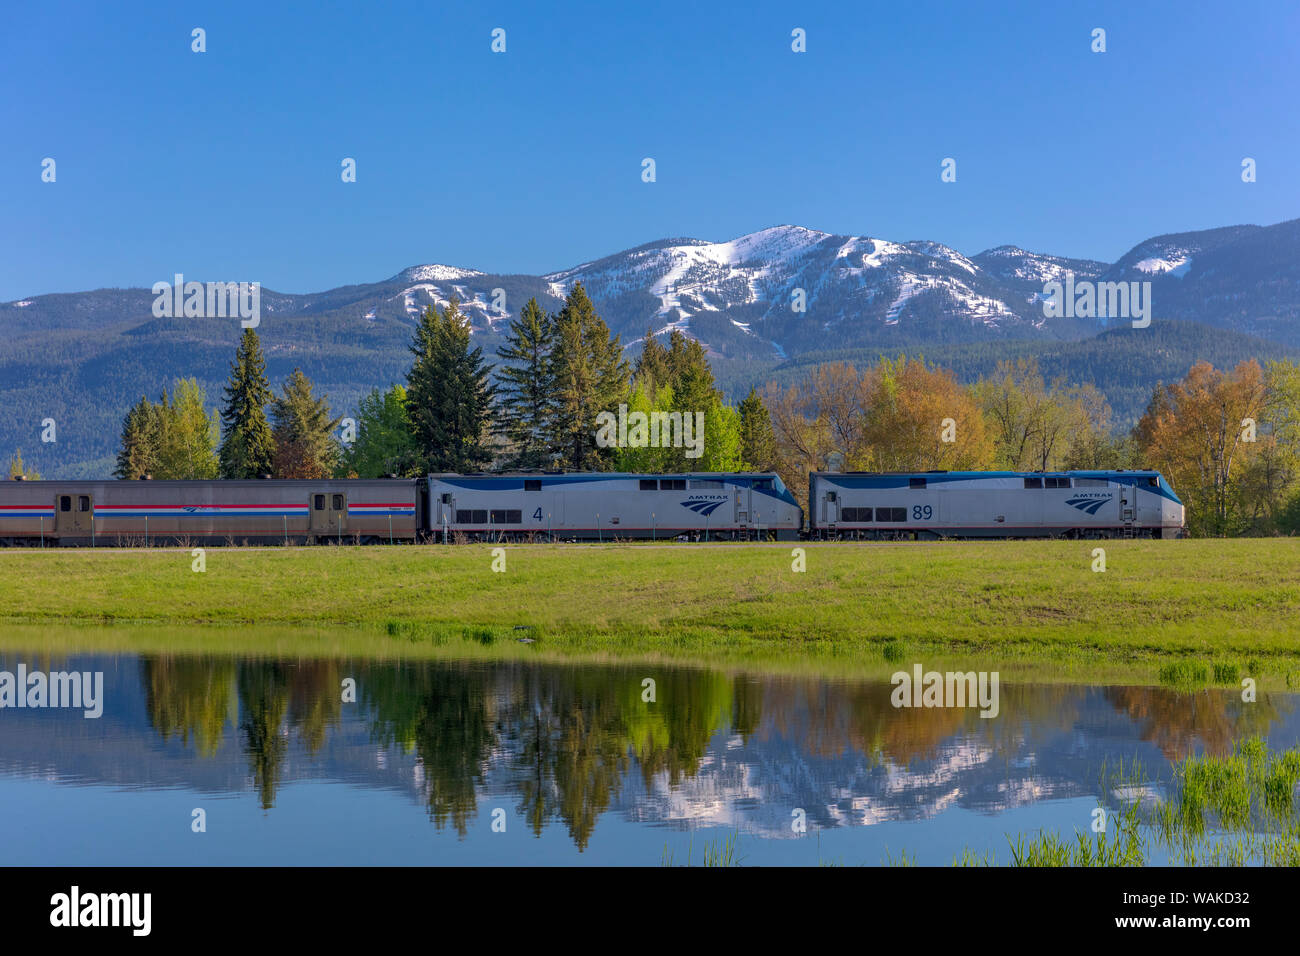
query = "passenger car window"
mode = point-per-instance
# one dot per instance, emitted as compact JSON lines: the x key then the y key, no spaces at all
{"x":65,"y":502}
{"x":338,"y":502}
{"x":319,"y":502}
{"x":83,"y":503}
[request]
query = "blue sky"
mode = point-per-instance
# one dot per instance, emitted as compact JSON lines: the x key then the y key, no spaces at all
{"x":225,"y":165}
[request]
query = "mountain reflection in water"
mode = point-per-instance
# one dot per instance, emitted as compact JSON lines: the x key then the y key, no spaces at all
{"x":567,"y":745}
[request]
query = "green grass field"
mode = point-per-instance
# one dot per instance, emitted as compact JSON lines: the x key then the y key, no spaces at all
{"x":1030,"y":602}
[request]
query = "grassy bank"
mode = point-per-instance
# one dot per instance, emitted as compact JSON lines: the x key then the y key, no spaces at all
{"x":1157,"y":601}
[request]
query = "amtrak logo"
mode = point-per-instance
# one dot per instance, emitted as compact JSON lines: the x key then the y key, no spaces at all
{"x":1090,"y":505}
{"x":704,"y":508}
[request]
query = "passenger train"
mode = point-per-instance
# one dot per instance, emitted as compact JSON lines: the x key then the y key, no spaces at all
{"x":595,"y":506}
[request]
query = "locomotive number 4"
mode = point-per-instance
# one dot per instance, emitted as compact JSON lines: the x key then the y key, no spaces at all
{"x":537,"y":515}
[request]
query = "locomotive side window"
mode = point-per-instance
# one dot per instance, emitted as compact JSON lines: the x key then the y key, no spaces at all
{"x":1055,"y":482}
{"x":672,"y":484}
{"x":532,"y":484}
{"x":916,"y":482}
{"x":891,"y":514}
{"x":478,"y":516}
{"x":1153,"y":482}
{"x":83,"y":502}
{"x":1033,"y":482}
{"x":649,"y":484}
{"x":765,"y":484}
{"x":65,"y":502}
{"x":463,"y":516}
{"x":855,"y":514}
{"x":506,"y":516}
{"x":318,"y":502}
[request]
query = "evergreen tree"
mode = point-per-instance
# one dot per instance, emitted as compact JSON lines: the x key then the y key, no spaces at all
{"x":651,"y":369}
{"x":683,"y":354}
{"x":305,"y":446}
{"x":248,"y":447}
{"x":141,"y":438}
{"x":525,"y":386}
{"x":757,"y":440}
{"x":449,"y":396}
{"x":590,"y":376}
{"x":384,"y":443}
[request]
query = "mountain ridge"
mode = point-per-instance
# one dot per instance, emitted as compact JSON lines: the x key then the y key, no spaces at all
{"x":84,"y":357}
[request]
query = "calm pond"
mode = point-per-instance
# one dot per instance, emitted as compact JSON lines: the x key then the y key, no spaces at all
{"x":526,"y":763}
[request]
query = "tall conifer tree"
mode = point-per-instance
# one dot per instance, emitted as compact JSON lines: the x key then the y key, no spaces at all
{"x":305,"y":446}
{"x":247,"y":448}
{"x":527,"y":405}
{"x":590,"y":376}
{"x":138,"y":455}
{"x":449,"y":396}
{"x":757,"y":440}
{"x":651,"y":370}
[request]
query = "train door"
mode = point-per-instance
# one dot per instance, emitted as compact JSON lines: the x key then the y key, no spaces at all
{"x":329,"y":513}
{"x":74,"y":514}
{"x":1127,"y":504}
{"x":831,"y":509}
{"x":444,"y":512}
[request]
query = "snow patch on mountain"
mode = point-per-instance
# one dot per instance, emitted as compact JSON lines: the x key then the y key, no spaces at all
{"x":1173,"y":263}
{"x":435,"y":273}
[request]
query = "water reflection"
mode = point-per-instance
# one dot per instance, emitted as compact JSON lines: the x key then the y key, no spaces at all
{"x":569,"y":745}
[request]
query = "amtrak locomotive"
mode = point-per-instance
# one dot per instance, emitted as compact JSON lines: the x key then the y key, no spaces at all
{"x":993,"y":504}
{"x":603,"y":506}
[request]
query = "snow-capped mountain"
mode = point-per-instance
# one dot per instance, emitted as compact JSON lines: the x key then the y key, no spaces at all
{"x":83,"y":358}
{"x":789,"y":289}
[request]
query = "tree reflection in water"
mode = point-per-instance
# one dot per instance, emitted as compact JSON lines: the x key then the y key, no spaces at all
{"x":565,"y":740}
